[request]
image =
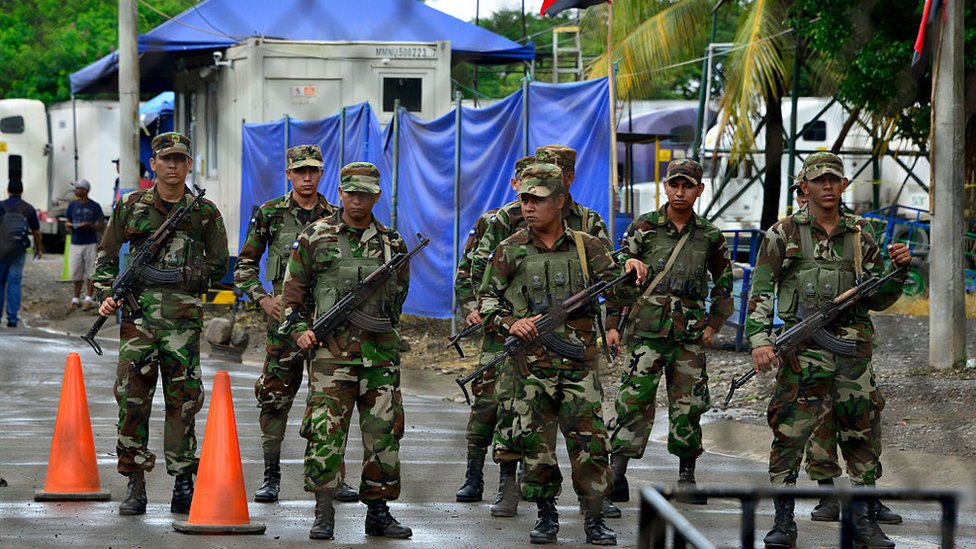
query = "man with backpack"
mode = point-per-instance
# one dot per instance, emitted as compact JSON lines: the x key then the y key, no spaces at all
{"x":18,"y":220}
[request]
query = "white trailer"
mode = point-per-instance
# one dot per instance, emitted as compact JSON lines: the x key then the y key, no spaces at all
{"x":84,"y":141}
{"x":24,"y":148}
{"x":262,"y":80}
{"x":740,"y":201}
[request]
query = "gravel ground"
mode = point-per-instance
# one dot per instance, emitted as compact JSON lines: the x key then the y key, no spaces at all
{"x":927,"y":410}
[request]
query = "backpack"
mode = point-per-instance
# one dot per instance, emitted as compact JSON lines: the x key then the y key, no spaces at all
{"x":13,"y":235}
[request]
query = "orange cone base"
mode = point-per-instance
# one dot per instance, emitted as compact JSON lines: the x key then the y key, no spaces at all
{"x":41,"y":495}
{"x":185,"y":527}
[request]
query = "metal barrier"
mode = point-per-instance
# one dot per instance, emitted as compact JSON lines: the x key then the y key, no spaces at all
{"x":657,"y":515}
{"x":736,"y":239}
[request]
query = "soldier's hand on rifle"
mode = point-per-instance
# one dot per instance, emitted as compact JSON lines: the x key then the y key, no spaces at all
{"x":899,"y":254}
{"x":272,"y":306}
{"x":636,"y":265}
{"x":524,"y":328}
{"x":763,"y":358}
{"x":474,"y":317}
{"x":707,"y":336}
{"x":108,"y":307}
{"x":613,"y":340}
{"x":307,"y":340}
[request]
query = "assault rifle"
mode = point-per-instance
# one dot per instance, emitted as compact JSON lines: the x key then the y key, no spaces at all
{"x":455,"y":342}
{"x":812,"y":327}
{"x":347,"y":308}
{"x":545,"y":325}
{"x":140,"y":269}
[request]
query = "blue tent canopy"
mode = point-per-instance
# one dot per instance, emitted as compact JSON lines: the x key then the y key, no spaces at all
{"x":218,"y":24}
{"x":161,"y":105}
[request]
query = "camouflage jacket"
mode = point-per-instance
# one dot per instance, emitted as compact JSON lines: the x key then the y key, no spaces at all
{"x":781,"y":248}
{"x":266,"y":226}
{"x":508,"y":219}
{"x":198,"y":249}
{"x":465,"y":286}
{"x":316,"y":252}
{"x":674,"y":310}
{"x":507,"y":270}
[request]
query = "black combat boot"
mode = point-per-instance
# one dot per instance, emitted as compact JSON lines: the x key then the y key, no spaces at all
{"x":474,"y":479}
{"x":324,"y":525}
{"x":135,"y":495}
{"x":506,"y":504}
{"x":867,"y":533}
{"x":346,"y":494}
{"x":783,"y":534}
{"x":609,"y":509}
{"x":686,"y":479}
{"x":182,"y":494}
{"x":595,"y":526}
{"x":268,"y":492}
{"x":883,"y":515}
{"x":547,"y":526}
{"x":828,"y":510}
{"x":621,"y":488}
{"x":379,"y":522}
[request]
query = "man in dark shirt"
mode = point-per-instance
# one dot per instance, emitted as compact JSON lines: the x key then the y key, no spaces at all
{"x":85,"y":219}
{"x":12,"y":261}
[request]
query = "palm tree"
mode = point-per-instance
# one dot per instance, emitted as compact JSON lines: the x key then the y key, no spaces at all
{"x":655,"y":35}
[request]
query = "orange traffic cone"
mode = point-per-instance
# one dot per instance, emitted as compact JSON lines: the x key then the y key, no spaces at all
{"x":220,"y":500}
{"x":72,"y":472}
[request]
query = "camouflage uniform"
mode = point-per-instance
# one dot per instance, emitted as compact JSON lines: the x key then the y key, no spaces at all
{"x":666,"y":328}
{"x":803,"y":267}
{"x":525,"y":278}
{"x":504,"y":224}
{"x":354,"y":368}
{"x":164,"y":338}
{"x":275,"y":226}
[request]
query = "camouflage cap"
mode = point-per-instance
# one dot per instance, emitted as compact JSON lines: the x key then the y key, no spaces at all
{"x":684,"y":167}
{"x":522,"y":163}
{"x":560,"y":155}
{"x":360,"y":177}
{"x":304,"y":155}
{"x":170,"y":143}
{"x":821,"y":163}
{"x":541,"y":179}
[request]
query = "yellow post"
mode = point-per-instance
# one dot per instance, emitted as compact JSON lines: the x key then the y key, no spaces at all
{"x":657,"y":173}
{"x":65,"y":273}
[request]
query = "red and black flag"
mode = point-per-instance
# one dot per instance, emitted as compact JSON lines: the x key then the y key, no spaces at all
{"x":552,"y":7}
{"x":925,"y":39}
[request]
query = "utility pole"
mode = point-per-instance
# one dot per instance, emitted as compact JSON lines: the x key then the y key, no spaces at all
{"x":947,"y":294}
{"x":128,"y":95}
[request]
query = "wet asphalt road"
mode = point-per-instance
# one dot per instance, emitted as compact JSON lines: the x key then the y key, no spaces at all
{"x":31,"y":370}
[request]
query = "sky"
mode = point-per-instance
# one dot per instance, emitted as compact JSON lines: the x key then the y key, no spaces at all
{"x":464,"y":9}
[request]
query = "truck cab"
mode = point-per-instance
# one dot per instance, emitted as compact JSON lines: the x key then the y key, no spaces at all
{"x":25,"y":153}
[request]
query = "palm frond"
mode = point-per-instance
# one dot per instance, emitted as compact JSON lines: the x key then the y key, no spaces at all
{"x":758,"y":69}
{"x":648,"y":37}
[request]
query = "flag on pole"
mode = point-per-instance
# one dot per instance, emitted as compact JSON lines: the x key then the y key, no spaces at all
{"x":553,"y":7}
{"x":929,"y":14}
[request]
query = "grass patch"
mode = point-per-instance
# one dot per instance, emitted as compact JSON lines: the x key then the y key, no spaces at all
{"x":919,"y":306}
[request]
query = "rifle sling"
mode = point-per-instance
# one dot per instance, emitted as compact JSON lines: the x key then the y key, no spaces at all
{"x":660,"y":275}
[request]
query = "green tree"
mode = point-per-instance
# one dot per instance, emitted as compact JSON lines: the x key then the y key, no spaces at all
{"x":43,"y":41}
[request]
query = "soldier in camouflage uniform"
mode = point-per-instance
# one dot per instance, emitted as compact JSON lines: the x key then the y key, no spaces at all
{"x":352,"y":368}
{"x":164,"y":337}
{"x":806,"y":260}
{"x":670,"y":327}
{"x":530,"y":272}
{"x":275,"y":226}
{"x":505,"y":223}
{"x":484,"y":409}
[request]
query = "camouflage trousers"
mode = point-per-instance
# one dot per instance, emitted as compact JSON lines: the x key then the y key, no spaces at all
{"x":683,"y":367}
{"x":822,"y":462}
{"x":508,"y":391}
{"x":334,"y":390}
{"x":145,"y":353}
{"x":570,"y":401}
{"x":821,"y":386}
{"x":484,"y":408}
{"x":276,"y":387}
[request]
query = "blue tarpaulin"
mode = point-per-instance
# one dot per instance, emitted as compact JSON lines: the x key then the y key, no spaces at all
{"x":218,"y":24}
{"x":491,"y":140}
